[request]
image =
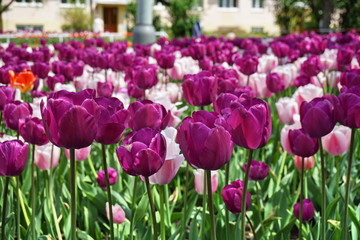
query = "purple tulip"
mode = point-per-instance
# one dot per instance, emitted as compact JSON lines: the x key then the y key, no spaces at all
{"x":347,"y":108}
{"x":232,"y":196}
{"x":69,"y":118}
{"x":350,"y":78}
{"x":250,"y":123}
{"x":52,"y":80}
{"x":4,"y":74}
{"x":145,"y":77}
{"x":104,"y":89}
{"x":317,"y":117}
{"x":144,"y":154}
{"x":275,"y":83}
{"x":302,"y":144}
{"x":258,"y":170}
{"x":148,"y":114}
{"x":40,"y":69}
{"x":279,"y":49}
{"x":308,"y":210}
{"x":32,"y":130}
{"x":197,"y":51}
{"x":204,"y":143}
{"x":113,"y":177}
{"x":111,"y":121}
{"x":344,"y":57}
{"x":14,"y":111}
{"x":312,"y":66}
{"x":302,"y":80}
{"x":199,"y":89}
{"x":165,"y":59}
{"x":247,"y":65}
{"x":223,"y":102}
{"x":7,"y":94}
{"x":134,"y":91}
{"x":13,"y":157}
{"x":78,"y":68}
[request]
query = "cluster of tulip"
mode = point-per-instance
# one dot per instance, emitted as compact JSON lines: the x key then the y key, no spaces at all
{"x":209,"y":101}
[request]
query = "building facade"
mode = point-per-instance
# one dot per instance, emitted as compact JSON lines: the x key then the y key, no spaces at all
{"x":215,"y":15}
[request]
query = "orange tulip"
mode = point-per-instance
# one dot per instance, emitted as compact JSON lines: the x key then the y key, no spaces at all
{"x":23,"y":80}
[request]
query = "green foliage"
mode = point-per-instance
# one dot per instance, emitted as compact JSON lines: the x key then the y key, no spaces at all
{"x":350,"y":17}
{"x":182,"y":16}
{"x":76,"y":19}
{"x":130,"y":16}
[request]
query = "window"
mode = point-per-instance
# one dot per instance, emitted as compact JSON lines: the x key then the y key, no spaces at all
{"x":257,"y":29}
{"x":228,"y":3}
{"x":257,"y":3}
{"x":29,"y":27}
{"x":71,"y":3}
{"x":28,"y":3}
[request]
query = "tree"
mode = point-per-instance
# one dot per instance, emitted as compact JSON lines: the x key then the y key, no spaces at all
{"x":182,"y":17}
{"x":4,"y":8}
{"x":350,"y":17}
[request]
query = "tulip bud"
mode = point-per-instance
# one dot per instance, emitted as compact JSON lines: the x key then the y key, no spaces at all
{"x":101,"y":179}
{"x":302,"y":144}
{"x":80,"y":154}
{"x":13,"y":157}
{"x":199,"y":181}
{"x":258,"y":170}
{"x":118,"y":213}
{"x":232,"y":196}
{"x":308,"y":210}
{"x":308,"y":162}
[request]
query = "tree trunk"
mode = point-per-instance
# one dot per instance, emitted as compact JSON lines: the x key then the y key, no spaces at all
{"x":328,"y":9}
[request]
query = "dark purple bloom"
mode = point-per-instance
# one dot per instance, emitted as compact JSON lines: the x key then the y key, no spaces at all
{"x":258,"y":170}
{"x":144,"y":153}
{"x":69,"y":118}
{"x":317,"y":117}
{"x":113,"y":177}
{"x":279,"y":49}
{"x":40,"y":69}
{"x":275,"y":83}
{"x":308,"y":211}
{"x":145,"y":77}
{"x":13,"y":157}
{"x":105,"y":89}
{"x":52,"y":80}
{"x":14,"y":111}
{"x":312,"y":66}
{"x":247,"y":65}
{"x":165,"y":59}
{"x":204,"y":143}
{"x":350,"y":78}
{"x":347,"y":108}
{"x":148,"y":114}
{"x":232,"y":196}
{"x":7,"y":94}
{"x":302,"y":144}
{"x":250,"y":123}
{"x":32,"y":130}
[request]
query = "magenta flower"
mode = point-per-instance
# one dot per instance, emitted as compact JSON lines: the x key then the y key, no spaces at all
{"x":258,"y":170}
{"x":250,"y":123}
{"x":308,"y":211}
{"x":14,"y":111}
{"x":275,"y":83}
{"x":13,"y":157}
{"x":199,"y":89}
{"x":279,"y":49}
{"x":32,"y":130}
{"x":104,"y":89}
{"x":144,"y":153}
{"x":148,"y":114}
{"x":204,"y":143}
{"x":118,"y":213}
{"x":113,"y":177}
{"x":145,"y":77}
{"x":69,"y":118}
{"x":7,"y":94}
{"x":312,"y":66}
{"x":247,"y":65}
{"x":317,"y":117}
{"x":302,"y":144}
{"x":232,"y":195}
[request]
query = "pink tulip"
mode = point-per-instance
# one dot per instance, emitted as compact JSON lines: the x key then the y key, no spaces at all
{"x":80,"y":154}
{"x":284,"y":135}
{"x":173,"y":159}
{"x":258,"y":84}
{"x":199,"y":181}
{"x":43,"y":156}
{"x":118,"y":213}
{"x":267,"y":63}
{"x":308,"y":162}
{"x":286,"y":108}
{"x":307,"y":93}
{"x":337,"y":142}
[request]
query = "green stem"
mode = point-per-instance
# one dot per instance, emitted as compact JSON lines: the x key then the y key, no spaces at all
{"x":3,"y":214}
{"x":73,"y":193}
{"x":204,"y":208}
{"x":185,"y":197}
{"x":152,"y":206}
{"x":243,"y":199}
{"x":1,"y":117}
{"x":162,"y":215}
{"x":301,"y":196}
{"x":133,"y":207}
{"x":33,"y":205}
{"x":108,"y":188}
{"x":18,"y":207}
{"x":211,"y":207}
{"x":227,"y":230}
{"x":51,"y":199}
{"x":344,"y":232}
{"x":251,"y":226}
{"x":323,"y":193}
